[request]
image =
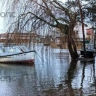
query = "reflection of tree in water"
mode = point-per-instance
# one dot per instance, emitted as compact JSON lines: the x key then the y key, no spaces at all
{"x":70,"y":76}
{"x":94,"y":78}
{"x":60,"y":90}
{"x":83,"y":76}
{"x":66,"y":87}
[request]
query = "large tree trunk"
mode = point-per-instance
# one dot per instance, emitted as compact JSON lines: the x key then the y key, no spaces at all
{"x":72,"y":47}
{"x":81,"y":14}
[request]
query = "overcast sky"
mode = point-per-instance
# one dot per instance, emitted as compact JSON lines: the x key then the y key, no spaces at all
{"x":2,"y":13}
{"x":1,"y":19}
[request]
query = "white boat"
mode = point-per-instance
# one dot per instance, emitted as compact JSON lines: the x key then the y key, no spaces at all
{"x":16,"y":54}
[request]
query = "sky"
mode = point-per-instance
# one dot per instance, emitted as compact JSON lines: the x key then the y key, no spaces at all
{"x":63,"y":0}
{"x":1,"y":19}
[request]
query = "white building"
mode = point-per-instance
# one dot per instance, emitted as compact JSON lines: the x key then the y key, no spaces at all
{"x":78,"y":29}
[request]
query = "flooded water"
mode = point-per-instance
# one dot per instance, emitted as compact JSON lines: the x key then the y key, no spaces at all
{"x":53,"y":74}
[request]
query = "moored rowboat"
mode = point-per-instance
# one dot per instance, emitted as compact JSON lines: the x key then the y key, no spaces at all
{"x":17,"y":56}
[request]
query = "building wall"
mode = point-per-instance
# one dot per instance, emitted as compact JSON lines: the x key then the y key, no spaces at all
{"x":78,"y":30}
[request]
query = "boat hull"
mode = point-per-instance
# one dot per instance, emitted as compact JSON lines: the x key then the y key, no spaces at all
{"x":89,"y":53}
{"x":25,"y":57}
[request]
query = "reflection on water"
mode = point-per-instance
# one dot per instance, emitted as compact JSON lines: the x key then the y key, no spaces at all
{"x":52,"y":75}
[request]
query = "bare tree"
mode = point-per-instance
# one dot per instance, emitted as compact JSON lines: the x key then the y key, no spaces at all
{"x":50,"y":14}
{"x":81,"y":14}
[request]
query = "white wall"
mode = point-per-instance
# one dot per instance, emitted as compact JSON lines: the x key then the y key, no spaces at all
{"x":78,"y":28}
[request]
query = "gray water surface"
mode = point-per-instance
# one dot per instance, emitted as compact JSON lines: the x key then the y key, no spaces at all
{"x":53,"y":74}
